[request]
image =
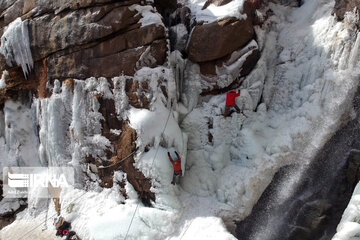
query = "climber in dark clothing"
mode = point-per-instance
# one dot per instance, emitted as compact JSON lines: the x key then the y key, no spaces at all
{"x":230,"y":102}
{"x":176,"y":162}
{"x":64,"y":229}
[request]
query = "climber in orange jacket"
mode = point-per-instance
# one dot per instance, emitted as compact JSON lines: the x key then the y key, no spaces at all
{"x":230,"y":102}
{"x":176,"y":162}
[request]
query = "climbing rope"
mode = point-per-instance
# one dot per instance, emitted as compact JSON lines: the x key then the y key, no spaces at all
{"x":114,"y":164}
{"x":186,"y":229}
{"x":46,"y":214}
{"x":157,"y":149}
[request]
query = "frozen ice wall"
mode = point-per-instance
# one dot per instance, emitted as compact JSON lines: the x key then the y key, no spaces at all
{"x":18,"y":140}
{"x":15,"y":45}
{"x":308,"y":89}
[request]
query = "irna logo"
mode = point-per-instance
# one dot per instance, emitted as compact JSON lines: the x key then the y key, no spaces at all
{"x":19,"y":182}
{"x":36,"y":180}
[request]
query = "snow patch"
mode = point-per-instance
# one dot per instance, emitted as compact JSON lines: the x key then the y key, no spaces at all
{"x":213,"y":13}
{"x":149,"y":15}
{"x":2,"y":80}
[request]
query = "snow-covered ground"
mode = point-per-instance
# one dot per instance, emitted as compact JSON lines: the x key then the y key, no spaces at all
{"x":306,"y":78}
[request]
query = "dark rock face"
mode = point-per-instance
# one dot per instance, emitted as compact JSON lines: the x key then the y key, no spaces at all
{"x":343,"y":6}
{"x":216,"y":40}
{"x":314,"y":208}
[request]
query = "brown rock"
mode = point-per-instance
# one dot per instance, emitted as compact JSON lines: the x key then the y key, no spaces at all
{"x":216,"y":40}
{"x":111,"y":57}
{"x":11,"y":12}
{"x":6,"y":4}
{"x":43,"y":78}
{"x":209,"y":68}
{"x":85,"y":63}
{"x":16,"y":84}
{"x":50,"y":34}
{"x":343,"y":6}
{"x":138,"y":94}
{"x":28,"y":6}
{"x":250,"y":7}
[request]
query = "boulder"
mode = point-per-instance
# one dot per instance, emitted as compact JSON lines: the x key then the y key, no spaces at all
{"x":218,"y":39}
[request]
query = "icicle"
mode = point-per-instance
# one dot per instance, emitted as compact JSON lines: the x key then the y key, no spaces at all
{"x":15,"y":45}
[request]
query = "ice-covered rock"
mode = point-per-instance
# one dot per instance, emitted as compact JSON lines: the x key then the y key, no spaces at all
{"x":15,"y":45}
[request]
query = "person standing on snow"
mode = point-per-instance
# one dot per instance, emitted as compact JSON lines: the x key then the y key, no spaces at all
{"x":176,"y":162}
{"x":230,"y":102}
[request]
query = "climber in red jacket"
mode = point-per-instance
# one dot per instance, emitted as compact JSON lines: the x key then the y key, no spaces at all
{"x":230,"y":102}
{"x":176,"y":162}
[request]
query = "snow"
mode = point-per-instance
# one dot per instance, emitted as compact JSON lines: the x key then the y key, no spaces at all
{"x":207,"y":228}
{"x":2,"y":80}
{"x":15,"y":45}
{"x":149,"y":15}
{"x":213,"y":13}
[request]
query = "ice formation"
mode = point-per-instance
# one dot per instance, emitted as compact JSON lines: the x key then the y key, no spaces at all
{"x":15,"y":45}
